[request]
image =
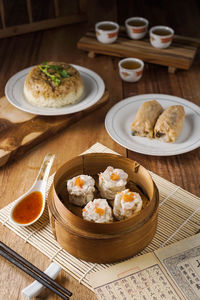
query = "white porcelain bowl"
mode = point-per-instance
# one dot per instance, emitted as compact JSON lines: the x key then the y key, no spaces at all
{"x":158,"y":40}
{"x":136,"y":32}
{"x":106,"y":36}
{"x":131,"y":75}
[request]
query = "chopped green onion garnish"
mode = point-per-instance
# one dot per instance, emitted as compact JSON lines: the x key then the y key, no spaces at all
{"x":60,"y":72}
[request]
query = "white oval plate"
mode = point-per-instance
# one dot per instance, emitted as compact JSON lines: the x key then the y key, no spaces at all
{"x":94,"y":89}
{"x":119,"y":118}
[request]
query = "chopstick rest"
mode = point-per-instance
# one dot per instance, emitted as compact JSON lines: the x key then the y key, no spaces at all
{"x":35,"y":288}
{"x":33,"y":271}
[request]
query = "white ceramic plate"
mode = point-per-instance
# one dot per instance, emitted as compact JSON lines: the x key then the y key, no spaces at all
{"x":94,"y":89}
{"x":119,"y":118}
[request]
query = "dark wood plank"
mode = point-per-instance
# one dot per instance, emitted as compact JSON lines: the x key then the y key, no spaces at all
{"x":41,"y":25}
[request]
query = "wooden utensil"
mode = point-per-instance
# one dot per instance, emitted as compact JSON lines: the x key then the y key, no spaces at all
{"x":102,"y":243}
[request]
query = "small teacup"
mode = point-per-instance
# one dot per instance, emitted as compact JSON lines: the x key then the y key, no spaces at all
{"x":106,"y":32}
{"x":161,"y":36}
{"x":136,"y":27}
{"x":131,"y":69}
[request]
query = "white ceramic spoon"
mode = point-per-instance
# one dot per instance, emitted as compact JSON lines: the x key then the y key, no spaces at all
{"x":38,"y":186}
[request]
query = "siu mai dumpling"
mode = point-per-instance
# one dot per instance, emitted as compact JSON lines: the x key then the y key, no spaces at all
{"x":112,"y":181}
{"x":81,"y":189}
{"x":145,"y":119}
{"x":126,"y":204}
{"x":97,"y":211}
{"x":170,"y":123}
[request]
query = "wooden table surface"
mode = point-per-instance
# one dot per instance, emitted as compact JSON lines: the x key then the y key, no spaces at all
{"x":59,"y":44}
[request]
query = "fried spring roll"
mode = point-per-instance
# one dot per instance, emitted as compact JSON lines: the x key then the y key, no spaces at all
{"x":145,"y":119}
{"x":170,"y":123}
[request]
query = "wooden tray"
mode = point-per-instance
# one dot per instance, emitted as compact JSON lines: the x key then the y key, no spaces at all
{"x":21,"y":131}
{"x":179,"y":55}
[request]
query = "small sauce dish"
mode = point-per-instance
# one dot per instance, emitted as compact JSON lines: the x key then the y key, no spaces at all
{"x":136,"y":27}
{"x":131,"y":69}
{"x":161,"y":36}
{"x":28,"y":208}
{"x":107,"y":32}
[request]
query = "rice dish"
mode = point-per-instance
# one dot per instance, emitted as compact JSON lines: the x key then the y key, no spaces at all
{"x":81,"y":189}
{"x":97,"y":211}
{"x":53,"y":84}
{"x":112,"y":181}
{"x":126,"y":204}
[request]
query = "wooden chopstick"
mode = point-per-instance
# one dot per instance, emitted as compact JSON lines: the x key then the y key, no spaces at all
{"x":33,"y":271}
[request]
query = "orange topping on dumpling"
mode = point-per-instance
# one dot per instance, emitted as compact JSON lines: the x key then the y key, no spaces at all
{"x":114,"y":176}
{"x":99,"y":210}
{"x":128,"y":197}
{"x":79,"y":182}
{"x":83,"y":209}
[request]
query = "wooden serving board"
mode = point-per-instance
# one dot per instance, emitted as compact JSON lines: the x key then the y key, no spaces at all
{"x":21,"y":131}
{"x":179,"y":55}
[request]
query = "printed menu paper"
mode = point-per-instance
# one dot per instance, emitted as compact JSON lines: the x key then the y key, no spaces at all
{"x":170,"y":273}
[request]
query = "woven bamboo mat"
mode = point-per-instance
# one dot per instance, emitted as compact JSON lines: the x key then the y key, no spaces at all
{"x":179,"y":216}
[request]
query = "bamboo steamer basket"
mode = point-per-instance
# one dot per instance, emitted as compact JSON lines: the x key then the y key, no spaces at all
{"x":95,"y":242}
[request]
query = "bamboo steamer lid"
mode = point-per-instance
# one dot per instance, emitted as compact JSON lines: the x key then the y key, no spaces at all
{"x":95,"y":242}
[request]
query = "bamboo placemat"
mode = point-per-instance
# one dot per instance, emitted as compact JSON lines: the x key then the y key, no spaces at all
{"x":179,"y":216}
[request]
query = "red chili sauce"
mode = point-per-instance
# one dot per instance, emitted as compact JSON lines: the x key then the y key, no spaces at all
{"x":28,"y":209}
